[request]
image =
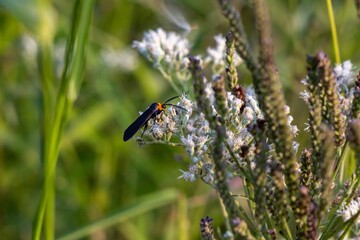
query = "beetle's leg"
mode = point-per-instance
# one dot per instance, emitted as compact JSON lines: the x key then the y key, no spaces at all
{"x":157,"y":115}
{"x":145,"y":127}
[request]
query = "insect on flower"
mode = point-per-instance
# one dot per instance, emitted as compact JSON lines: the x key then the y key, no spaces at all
{"x":151,"y":112}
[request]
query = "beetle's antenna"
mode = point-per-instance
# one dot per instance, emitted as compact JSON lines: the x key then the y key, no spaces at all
{"x":170,"y":99}
{"x":176,"y":106}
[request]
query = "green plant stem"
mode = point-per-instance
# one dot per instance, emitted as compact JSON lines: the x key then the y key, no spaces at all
{"x":340,"y":162}
{"x":246,"y":174}
{"x":330,"y":226}
{"x":183,"y":227}
{"x":270,"y":225}
{"x":224,"y":213}
{"x":333,"y":31}
{"x":249,"y":192}
{"x":46,"y":72}
{"x":170,"y":80}
{"x":287,"y":233}
{"x":349,"y":224}
{"x":72,"y":75}
{"x":173,"y":144}
{"x":47,"y":79}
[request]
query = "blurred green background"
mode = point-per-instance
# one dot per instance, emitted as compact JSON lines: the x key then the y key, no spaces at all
{"x":98,"y":174}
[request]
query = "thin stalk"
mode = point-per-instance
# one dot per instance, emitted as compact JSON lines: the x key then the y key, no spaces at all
{"x":47,"y":87}
{"x":173,"y":144}
{"x":330,"y":226}
{"x":269,"y":223}
{"x":287,"y":233}
{"x":171,"y":81}
{"x":340,"y":163}
{"x":250,"y":196}
{"x":349,"y":224}
{"x":46,"y":72}
{"x":333,"y":31}
{"x":139,"y":207}
{"x":246,"y":174}
{"x":225,"y":214}
{"x":183,"y":226}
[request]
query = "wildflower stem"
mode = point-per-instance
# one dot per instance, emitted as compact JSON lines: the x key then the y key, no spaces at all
{"x":246,"y":174}
{"x":270,"y":226}
{"x":48,"y":93}
{"x":224,"y":192}
{"x":340,"y":163}
{"x":287,"y":233}
{"x":249,"y":192}
{"x":276,"y":199}
{"x":353,"y":137}
{"x":139,"y":207}
{"x":224,"y":213}
{"x":349,"y":225}
{"x":330,"y":229}
{"x":170,"y":80}
{"x":173,"y":144}
{"x":333,"y":31}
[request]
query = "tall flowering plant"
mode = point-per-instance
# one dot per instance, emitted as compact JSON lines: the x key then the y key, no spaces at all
{"x":232,"y":131}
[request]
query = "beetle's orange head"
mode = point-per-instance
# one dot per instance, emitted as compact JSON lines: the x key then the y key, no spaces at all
{"x":160,"y":106}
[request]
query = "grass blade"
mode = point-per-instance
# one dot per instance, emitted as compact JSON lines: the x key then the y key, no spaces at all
{"x":145,"y":204}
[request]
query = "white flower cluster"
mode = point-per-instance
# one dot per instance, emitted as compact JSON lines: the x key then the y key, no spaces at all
{"x":344,"y":73}
{"x":167,"y":51}
{"x":345,"y":82}
{"x":347,"y":211}
{"x":198,"y":137}
{"x":195,"y":134}
{"x":169,"y":122}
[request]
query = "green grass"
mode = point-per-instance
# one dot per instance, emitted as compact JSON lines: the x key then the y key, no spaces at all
{"x":141,"y":206}
{"x":57,"y":105}
{"x":62,"y":158}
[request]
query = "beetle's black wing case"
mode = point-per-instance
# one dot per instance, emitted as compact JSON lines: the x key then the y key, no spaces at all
{"x":139,"y":122}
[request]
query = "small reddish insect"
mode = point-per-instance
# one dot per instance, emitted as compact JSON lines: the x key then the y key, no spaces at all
{"x":151,"y":112}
